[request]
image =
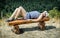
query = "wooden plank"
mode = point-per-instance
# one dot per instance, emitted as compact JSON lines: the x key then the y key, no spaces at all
{"x":17,"y":22}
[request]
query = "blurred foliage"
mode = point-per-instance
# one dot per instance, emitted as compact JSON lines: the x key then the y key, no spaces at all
{"x":8,"y":15}
{"x":8,"y":6}
{"x":54,"y":13}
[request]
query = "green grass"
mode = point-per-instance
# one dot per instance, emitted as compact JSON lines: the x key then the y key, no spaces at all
{"x":54,"y":13}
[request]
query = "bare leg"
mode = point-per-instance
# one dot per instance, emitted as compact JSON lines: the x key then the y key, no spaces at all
{"x":18,"y":11}
{"x":21,"y":11}
{"x":14,"y":13}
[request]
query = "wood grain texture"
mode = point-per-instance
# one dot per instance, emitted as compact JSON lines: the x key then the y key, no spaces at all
{"x":17,"y":22}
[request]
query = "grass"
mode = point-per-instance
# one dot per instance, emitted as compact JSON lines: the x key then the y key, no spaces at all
{"x":54,"y":13}
{"x":31,"y":31}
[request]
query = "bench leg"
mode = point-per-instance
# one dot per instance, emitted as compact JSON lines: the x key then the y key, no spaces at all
{"x":41,"y":25}
{"x":16,"y":29}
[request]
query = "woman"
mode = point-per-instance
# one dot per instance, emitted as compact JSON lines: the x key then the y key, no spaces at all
{"x":33,"y":15}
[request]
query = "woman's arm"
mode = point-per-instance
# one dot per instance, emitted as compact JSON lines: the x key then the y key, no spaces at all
{"x":46,"y":18}
{"x":41,"y":19}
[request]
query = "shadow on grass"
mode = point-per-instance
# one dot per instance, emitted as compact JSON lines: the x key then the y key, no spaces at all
{"x":50,"y":27}
{"x":37,"y":28}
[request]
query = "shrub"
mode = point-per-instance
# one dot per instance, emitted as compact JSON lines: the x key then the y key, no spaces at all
{"x":54,"y":13}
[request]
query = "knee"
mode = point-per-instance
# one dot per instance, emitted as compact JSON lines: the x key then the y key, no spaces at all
{"x":20,"y":7}
{"x":17,"y":8}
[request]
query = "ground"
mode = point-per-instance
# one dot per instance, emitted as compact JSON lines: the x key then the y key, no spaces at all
{"x":31,"y":30}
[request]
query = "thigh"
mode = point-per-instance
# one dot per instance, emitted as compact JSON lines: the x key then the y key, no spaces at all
{"x":22,"y":11}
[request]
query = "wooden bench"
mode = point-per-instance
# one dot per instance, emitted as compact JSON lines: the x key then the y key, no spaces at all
{"x":15,"y":23}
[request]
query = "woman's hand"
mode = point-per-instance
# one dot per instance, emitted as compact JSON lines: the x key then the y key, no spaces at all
{"x":46,"y":18}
